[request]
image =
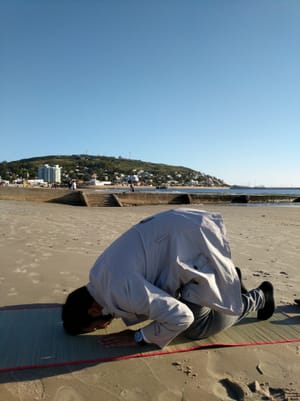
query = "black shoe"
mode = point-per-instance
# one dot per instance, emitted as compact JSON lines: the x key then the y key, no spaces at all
{"x":243,"y":288}
{"x":267,"y":311}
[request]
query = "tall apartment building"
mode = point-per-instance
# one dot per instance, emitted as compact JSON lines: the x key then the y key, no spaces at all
{"x":49,"y":174}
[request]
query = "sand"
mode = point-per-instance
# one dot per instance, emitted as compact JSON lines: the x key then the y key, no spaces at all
{"x":47,"y":251}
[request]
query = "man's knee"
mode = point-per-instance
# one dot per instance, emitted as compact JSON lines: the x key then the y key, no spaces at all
{"x":210,"y":324}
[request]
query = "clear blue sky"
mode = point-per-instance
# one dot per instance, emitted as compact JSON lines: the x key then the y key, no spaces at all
{"x":213,"y":85}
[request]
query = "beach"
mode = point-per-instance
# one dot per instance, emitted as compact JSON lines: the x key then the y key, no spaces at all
{"x":46,"y":252}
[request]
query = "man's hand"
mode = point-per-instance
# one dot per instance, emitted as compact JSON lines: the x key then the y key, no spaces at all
{"x":122,"y":339}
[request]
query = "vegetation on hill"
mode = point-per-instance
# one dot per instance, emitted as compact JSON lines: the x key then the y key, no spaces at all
{"x":116,"y":170}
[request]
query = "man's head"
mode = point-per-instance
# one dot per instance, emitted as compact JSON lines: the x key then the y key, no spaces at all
{"x":81,"y":314}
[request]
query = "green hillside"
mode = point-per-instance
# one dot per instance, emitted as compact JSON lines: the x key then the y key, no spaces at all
{"x":84,"y":167}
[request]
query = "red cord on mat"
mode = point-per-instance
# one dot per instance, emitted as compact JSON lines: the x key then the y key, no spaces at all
{"x":147,"y":354}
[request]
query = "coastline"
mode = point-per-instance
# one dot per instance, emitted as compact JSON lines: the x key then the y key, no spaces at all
{"x":47,"y":250}
{"x":118,"y":198}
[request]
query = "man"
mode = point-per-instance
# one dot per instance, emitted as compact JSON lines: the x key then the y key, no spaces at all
{"x":173,"y":269}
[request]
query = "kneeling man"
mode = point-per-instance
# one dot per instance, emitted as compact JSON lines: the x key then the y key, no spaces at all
{"x":173,"y":269}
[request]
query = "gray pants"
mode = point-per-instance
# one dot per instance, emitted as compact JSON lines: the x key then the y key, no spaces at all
{"x":209,"y":322}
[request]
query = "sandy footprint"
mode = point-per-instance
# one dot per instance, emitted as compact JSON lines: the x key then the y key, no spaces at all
{"x":58,"y":290}
{"x":33,"y":274}
{"x":34,"y":265}
{"x":171,"y":396}
{"x":66,"y":393}
{"x":46,"y":254}
{"x":228,"y":389}
{"x":132,"y":395}
{"x":12,"y":292}
{"x":34,"y":277}
{"x":21,"y":269}
{"x":138,"y":394}
{"x":28,"y":390}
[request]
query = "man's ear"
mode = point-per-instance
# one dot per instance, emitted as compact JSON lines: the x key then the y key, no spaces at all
{"x":95,"y":310}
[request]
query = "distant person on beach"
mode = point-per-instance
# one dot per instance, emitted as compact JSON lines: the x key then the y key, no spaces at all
{"x":173,"y":269}
{"x":73,"y":185}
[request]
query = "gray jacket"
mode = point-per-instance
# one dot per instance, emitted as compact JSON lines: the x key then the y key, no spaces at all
{"x":174,"y":255}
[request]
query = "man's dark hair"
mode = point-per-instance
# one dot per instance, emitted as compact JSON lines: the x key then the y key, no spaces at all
{"x":75,"y":315}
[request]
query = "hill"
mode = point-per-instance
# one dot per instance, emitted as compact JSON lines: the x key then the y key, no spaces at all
{"x":84,"y":167}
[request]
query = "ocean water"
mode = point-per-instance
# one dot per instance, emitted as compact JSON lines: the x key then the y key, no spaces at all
{"x":231,"y":191}
{"x":293,"y":192}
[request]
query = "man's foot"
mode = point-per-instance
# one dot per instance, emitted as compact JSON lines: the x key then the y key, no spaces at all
{"x":267,"y":311}
{"x":243,"y":288}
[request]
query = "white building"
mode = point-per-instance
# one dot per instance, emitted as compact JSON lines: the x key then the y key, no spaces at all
{"x":95,"y":182}
{"x":49,"y":174}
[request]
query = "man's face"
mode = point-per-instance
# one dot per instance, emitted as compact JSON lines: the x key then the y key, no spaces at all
{"x":99,"y":321}
{"x":98,"y":324}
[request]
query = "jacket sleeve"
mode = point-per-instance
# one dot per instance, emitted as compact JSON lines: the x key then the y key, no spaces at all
{"x":169,"y":317}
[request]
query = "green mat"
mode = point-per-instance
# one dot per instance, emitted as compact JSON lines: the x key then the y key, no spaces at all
{"x":33,"y":337}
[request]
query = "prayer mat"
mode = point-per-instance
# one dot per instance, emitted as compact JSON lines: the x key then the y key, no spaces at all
{"x":33,"y":337}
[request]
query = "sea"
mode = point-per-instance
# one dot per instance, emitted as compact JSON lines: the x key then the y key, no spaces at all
{"x":231,"y":191}
{"x":293,"y":192}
